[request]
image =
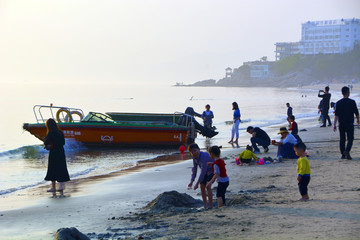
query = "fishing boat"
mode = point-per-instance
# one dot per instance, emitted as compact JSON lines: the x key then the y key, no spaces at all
{"x":98,"y":129}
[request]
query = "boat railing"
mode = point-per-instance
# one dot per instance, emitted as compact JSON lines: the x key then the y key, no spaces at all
{"x":58,"y":113}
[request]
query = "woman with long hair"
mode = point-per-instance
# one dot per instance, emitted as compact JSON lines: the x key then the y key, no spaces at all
{"x":54,"y":142}
{"x":236,"y":122}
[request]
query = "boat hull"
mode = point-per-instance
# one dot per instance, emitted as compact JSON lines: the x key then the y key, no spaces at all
{"x":116,"y":135}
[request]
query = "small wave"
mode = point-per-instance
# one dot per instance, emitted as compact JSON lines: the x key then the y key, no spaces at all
{"x":82,"y":173}
{"x":26,"y":151}
{"x":11,"y":190}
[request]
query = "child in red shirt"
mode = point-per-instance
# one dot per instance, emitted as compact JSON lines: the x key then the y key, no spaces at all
{"x":220,"y":175}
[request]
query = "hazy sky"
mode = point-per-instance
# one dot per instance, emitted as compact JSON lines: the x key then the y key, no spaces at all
{"x":164,"y":41}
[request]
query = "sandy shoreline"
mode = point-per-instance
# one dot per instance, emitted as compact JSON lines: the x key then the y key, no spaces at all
{"x":262,"y":199}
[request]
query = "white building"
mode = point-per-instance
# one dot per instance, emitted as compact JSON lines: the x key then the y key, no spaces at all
{"x":329,"y":36}
{"x":284,"y":49}
{"x":258,"y":69}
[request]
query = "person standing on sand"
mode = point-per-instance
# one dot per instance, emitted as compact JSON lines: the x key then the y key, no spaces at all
{"x":220,"y":175}
{"x":294,"y":128}
{"x":260,"y":137}
{"x":344,"y":113}
{"x":303,"y":171}
{"x":325,"y":105}
{"x":236,"y":122}
{"x":207,"y":117}
{"x":200,"y":159}
{"x":289,"y":112}
{"x":57,"y":170}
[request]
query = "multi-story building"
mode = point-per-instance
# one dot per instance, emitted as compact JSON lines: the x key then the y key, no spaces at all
{"x":284,"y":49}
{"x":329,"y":36}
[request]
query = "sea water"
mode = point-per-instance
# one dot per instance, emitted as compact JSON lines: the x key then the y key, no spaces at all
{"x":23,"y":160}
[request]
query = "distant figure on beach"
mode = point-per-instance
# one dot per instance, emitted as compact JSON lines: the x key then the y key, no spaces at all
{"x":57,"y":169}
{"x":219,"y":170}
{"x":200,"y":159}
{"x":285,"y":145}
{"x":294,"y":128}
{"x":207,"y":117}
{"x":325,"y":105}
{"x":258,"y":137}
{"x":303,"y":171}
{"x":289,"y":112}
{"x":236,"y":122}
{"x":345,"y":109}
{"x":189,"y":116}
{"x":321,"y":119}
{"x":246,"y":156}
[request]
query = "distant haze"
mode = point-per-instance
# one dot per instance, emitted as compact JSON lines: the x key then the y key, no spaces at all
{"x":136,"y":41}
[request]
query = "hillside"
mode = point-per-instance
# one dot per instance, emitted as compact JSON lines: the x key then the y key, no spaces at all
{"x":298,"y":70}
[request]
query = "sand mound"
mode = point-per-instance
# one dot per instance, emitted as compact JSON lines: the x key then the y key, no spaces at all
{"x":173,"y":201}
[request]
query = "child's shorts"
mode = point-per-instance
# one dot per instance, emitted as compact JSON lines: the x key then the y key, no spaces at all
{"x":207,"y":178}
{"x":243,"y":160}
{"x":303,"y":185}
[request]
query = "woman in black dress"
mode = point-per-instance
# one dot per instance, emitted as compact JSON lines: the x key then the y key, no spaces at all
{"x":54,"y":142}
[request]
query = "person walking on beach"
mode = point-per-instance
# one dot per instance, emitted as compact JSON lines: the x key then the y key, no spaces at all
{"x":258,"y":137}
{"x":344,"y":113}
{"x":207,"y":117}
{"x":286,"y":144}
{"x":303,"y":171}
{"x":289,"y":112}
{"x":220,"y":175}
{"x":200,"y":159}
{"x":236,"y":122}
{"x":246,"y":156}
{"x":57,"y":169}
{"x":325,"y":105}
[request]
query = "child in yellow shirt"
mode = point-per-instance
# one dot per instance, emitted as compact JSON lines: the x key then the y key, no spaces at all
{"x":247,"y":155}
{"x":303,"y":170}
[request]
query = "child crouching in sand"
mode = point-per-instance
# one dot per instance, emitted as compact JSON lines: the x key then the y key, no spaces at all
{"x":220,"y":175}
{"x":246,"y":156}
{"x":303,"y":170}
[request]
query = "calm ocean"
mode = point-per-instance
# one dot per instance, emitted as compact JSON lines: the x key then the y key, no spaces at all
{"x":23,"y":161}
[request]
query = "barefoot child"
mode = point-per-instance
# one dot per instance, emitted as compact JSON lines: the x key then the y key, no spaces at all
{"x":200,"y":159}
{"x":219,"y":170}
{"x":303,"y":170}
{"x":247,"y":155}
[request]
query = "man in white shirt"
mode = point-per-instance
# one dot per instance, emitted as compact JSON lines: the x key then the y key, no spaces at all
{"x":286,"y":144}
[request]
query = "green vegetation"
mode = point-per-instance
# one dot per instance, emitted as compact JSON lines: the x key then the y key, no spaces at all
{"x":321,"y":65}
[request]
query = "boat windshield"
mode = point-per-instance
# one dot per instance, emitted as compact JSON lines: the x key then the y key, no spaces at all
{"x":97,"y":117}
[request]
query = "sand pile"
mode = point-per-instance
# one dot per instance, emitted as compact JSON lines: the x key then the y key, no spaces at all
{"x":173,"y":201}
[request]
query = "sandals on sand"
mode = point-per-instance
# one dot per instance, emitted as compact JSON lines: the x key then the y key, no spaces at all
{"x":51,"y":190}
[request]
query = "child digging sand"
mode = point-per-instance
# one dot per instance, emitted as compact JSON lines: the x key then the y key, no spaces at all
{"x":246,"y":156}
{"x":303,"y":170}
{"x":219,"y":170}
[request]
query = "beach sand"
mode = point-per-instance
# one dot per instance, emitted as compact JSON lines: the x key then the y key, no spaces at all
{"x":262,"y":200}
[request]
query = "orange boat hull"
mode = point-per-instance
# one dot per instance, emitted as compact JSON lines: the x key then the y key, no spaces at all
{"x":115,"y":135}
